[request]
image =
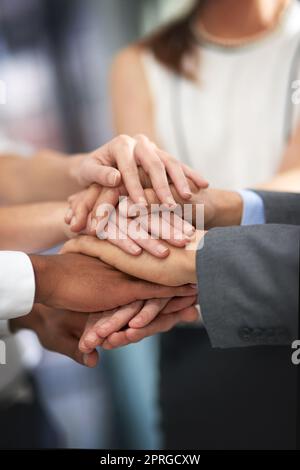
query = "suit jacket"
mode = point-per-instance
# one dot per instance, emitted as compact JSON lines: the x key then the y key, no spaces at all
{"x":232,"y":385}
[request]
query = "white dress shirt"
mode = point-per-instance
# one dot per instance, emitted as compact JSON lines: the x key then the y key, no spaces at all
{"x":17,"y":287}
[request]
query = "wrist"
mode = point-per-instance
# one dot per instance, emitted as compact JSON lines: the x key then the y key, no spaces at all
{"x":41,"y":268}
{"x":191,"y":255}
{"x":226,"y":209}
{"x":27,"y":322}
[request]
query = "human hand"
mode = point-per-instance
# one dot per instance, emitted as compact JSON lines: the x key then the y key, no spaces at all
{"x":58,"y":331}
{"x":84,"y":284}
{"x":131,"y":234}
{"x":214,"y":207}
{"x":136,"y":321}
{"x":177,"y":269}
{"x":121,"y":157}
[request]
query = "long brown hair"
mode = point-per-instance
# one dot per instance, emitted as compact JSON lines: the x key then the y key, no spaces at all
{"x":174,"y":42}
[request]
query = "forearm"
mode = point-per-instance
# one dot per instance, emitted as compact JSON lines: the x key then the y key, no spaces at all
{"x":33,"y":227}
{"x":48,"y":175}
{"x":285,"y":181}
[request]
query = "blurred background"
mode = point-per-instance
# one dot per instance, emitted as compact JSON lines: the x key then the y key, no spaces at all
{"x":54,"y":58}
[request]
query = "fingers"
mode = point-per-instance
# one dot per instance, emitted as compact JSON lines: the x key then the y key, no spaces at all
{"x":147,"y":156}
{"x":115,"y":340}
{"x":179,"y":303}
{"x":101,"y":325}
{"x":102,"y":209}
{"x":176,"y":174}
{"x":93,"y":171}
{"x":126,"y":244}
{"x":89,"y":339}
{"x":189,"y":315}
{"x":160,"y":324}
{"x":70,"y":348}
{"x":123,"y":150}
{"x":137,"y":315}
{"x":160,"y":226}
{"x":128,"y":209}
{"x":194,"y":176}
{"x":80,"y":206}
{"x":148,"y":312}
{"x":151,"y":245}
{"x":178,"y":223}
{"x":118,"y":319}
{"x":130,"y":236}
{"x":91,"y":359}
{"x":145,"y":290}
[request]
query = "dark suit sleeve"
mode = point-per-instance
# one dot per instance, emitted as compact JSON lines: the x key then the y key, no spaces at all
{"x":281,"y":208}
{"x":248,"y":285}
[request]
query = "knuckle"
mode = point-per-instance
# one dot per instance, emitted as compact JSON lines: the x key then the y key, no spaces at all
{"x":141,"y":138}
{"x":82,"y":207}
{"x":130,"y":168}
{"x":166,"y":156}
{"x":161,"y":188}
{"x":156,"y":164}
{"x":175,"y":163}
{"x":122,"y":140}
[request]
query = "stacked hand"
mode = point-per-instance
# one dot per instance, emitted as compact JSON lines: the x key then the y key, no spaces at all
{"x":69,"y":286}
{"x":135,"y":321}
{"x":96,"y":211}
{"x":72,"y":285}
{"x":123,"y":307}
{"x":131,"y":157}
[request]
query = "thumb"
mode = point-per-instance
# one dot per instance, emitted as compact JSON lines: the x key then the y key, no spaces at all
{"x":96,"y":172}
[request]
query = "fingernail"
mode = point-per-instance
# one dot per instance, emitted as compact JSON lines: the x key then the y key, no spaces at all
{"x":171,"y":203}
{"x":142,"y":201}
{"x":194,"y":286}
{"x":112,"y":177}
{"x":161,"y":249}
{"x":135,"y":250}
{"x":74,"y":220}
{"x":186,"y":192}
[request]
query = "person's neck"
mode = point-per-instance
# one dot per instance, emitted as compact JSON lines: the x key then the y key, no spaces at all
{"x":234,"y":19}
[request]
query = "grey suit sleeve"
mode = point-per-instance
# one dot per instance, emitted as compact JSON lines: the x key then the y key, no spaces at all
{"x":248,"y":285}
{"x":281,"y":208}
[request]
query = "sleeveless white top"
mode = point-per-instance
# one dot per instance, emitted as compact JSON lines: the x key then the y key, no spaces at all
{"x":232,"y":126}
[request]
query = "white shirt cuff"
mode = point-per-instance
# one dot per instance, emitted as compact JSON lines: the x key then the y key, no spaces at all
{"x":17,"y":284}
